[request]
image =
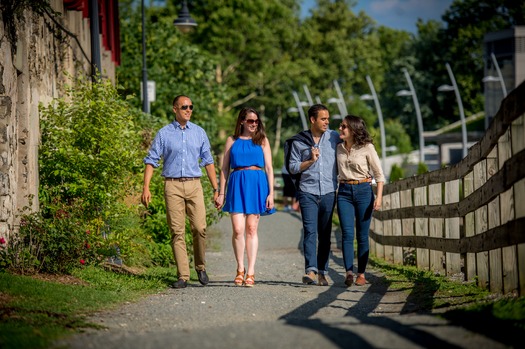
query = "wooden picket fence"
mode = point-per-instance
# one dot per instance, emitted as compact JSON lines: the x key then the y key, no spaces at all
{"x":467,"y":219}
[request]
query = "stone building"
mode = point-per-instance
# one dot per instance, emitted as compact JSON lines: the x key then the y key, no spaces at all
{"x":39,"y":42}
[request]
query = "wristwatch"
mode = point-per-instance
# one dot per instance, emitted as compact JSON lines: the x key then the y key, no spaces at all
{"x":216,"y":190}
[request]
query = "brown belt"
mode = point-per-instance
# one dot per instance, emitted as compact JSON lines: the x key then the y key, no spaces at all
{"x":247,"y":168}
{"x":181,"y":179}
{"x":356,"y":181}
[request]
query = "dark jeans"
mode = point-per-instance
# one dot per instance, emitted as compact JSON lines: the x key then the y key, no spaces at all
{"x":316,"y":212}
{"x":355,"y":204}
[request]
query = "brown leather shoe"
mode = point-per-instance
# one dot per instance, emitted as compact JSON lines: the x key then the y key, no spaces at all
{"x":322,"y":280}
{"x":360,"y":281}
{"x":349,"y":281}
{"x":309,"y":278}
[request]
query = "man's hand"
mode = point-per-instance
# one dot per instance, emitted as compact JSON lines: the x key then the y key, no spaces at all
{"x":146,"y":197}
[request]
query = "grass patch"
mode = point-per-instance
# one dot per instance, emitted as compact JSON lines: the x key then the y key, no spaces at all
{"x":430,"y":291}
{"x":35,"y":312}
{"x":501,"y":318}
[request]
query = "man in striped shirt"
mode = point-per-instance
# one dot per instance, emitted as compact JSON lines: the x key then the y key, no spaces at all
{"x":184,"y":148}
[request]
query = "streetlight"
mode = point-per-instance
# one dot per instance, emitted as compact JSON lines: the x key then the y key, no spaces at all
{"x":412,"y":93}
{"x":454,"y":87}
{"x":184,"y":22}
{"x":373,"y":96}
{"x":496,"y":78}
{"x":300,"y":106}
{"x":342,"y":104}
{"x":339,"y":105}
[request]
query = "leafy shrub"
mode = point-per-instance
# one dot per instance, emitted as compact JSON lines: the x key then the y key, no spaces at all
{"x":396,"y":173}
{"x":89,"y":166}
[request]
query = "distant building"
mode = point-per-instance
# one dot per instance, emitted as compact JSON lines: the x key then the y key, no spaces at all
{"x":508,"y":46}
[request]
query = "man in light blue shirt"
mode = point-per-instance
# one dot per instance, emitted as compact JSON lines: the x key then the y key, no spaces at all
{"x":316,"y":190}
{"x":184,"y":148}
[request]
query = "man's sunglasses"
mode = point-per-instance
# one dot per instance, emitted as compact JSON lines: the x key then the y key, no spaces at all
{"x":252,"y":121}
{"x":184,"y":107}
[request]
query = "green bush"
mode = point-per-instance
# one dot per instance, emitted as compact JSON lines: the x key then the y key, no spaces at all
{"x":89,"y":174}
{"x":396,"y":173}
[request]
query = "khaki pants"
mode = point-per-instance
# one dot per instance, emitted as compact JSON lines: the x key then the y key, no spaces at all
{"x":186,"y":198}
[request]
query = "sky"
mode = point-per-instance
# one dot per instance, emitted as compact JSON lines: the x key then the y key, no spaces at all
{"x":396,"y":14}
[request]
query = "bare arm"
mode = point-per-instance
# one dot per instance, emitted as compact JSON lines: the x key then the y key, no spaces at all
{"x":225,"y":172}
{"x":268,"y":167}
{"x":212,"y":175}
{"x":146,"y":194}
{"x":379,"y":197}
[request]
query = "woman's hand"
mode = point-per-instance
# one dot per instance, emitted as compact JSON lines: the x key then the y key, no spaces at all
{"x":219,"y":201}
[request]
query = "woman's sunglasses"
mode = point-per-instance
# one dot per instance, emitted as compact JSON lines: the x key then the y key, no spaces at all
{"x":252,"y":121}
{"x":184,"y":107}
{"x":343,"y":127}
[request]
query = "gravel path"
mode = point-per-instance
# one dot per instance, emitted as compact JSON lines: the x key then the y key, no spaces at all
{"x":279,"y":312}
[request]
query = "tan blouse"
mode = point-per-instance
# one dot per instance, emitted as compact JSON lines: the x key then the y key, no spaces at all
{"x":359,"y":162}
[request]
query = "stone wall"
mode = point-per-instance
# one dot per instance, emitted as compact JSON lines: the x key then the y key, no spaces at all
{"x":32,"y":73}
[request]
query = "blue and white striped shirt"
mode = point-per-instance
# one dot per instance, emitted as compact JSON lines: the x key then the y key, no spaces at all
{"x":321,"y":177}
{"x":183,"y":150}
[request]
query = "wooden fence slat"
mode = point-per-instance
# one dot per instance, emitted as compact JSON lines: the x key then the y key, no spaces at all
{"x":452,"y":260}
{"x":407,"y":224}
{"x":470,"y":258}
{"x":509,"y":254}
{"x":480,"y":218}
{"x":396,"y":227}
{"x":421,"y":229}
{"x":435,"y":228}
{"x":387,"y":226}
{"x":519,"y":197}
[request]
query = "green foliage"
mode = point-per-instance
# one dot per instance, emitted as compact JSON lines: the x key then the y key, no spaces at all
{"x":422,"y":168}
{"x":36,"y":312}
{"x":89,"y":164}
{"x":90,"y":147}
{"x":396,"y":173}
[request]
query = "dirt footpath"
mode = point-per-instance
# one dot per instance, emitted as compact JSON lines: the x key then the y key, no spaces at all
{"x":279,"y":312}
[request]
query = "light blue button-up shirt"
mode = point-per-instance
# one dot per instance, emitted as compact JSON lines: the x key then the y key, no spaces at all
{"x":321,"y":177}
{"x":183,"y":150}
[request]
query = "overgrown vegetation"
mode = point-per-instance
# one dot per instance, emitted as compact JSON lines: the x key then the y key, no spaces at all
{"x":36,"y":312}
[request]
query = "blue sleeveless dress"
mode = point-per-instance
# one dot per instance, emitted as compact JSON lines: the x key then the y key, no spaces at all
{"x":247,"y":189}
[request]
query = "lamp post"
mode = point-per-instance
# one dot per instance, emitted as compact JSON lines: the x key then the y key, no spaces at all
{"x":339,"y":106}
{"x":184,"y":22}
{"x":342,"y":104}
{"x":498,"y":78}
{"x":373,"y":96}
{"x":300,"y":106}
{"x":454,"y":87}
{"x":412,"y":93}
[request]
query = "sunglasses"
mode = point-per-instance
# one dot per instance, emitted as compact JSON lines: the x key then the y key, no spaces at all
{"x":252,"y":121}
{"x":184,"y":107}
{"x":343,"y":127}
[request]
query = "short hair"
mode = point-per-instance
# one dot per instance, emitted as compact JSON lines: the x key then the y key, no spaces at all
{"x":314,"y":110}
{"x":176,"y":99}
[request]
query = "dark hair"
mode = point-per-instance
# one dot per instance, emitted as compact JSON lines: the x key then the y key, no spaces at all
{"x":259,"y":135}
{"x":314,"y":110}
{"x":358,"y":127}
{"x":176,"y":99}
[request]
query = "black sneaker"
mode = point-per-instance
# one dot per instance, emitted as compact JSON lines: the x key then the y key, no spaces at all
{"x":203,"y":277}
{"x":181,"y":283}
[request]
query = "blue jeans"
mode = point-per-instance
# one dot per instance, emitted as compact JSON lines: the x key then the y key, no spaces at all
{"x":355,"y":204}
{"x":316,"y":212}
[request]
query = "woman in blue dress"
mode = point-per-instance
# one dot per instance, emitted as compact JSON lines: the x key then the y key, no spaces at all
{"x":247,"y":192}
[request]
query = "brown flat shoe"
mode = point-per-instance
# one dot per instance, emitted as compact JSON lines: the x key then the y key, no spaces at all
{"x":360,"y":281}
{"x":349,"y":281}
{"x":322,"y":281}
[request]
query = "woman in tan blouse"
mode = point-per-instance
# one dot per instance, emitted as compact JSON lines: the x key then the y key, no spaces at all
{"x":357,"y":163}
